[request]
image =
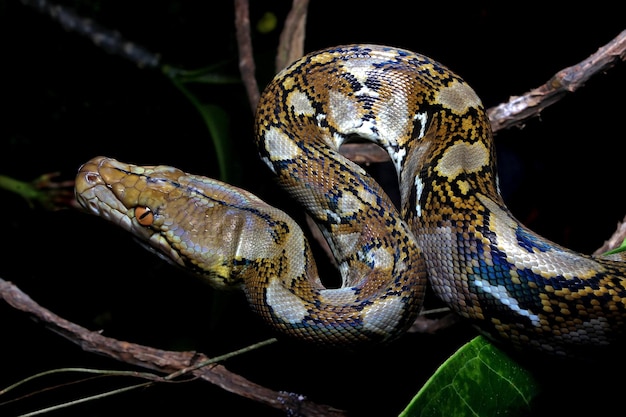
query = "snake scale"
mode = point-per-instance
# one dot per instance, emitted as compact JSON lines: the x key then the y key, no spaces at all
{"x":451,"y":229}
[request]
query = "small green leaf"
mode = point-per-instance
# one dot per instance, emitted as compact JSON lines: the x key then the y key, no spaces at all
{"x":478,"y":380}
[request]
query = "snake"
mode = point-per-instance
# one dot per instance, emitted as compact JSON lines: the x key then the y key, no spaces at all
{"x":451,"y":229}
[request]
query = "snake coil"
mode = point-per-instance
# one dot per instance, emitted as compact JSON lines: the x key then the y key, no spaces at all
{"x":452,"y":228}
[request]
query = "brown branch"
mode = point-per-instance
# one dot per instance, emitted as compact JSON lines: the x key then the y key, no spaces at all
{"x":364,"y":153}
{"x":519,"y":109}
{"x":162,"y":360}
{"x":290,"y":48}
{"x":291,"y":42}
{"x":246,"y":58}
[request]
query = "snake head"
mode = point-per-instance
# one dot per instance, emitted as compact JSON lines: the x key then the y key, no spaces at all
{"x":117,"y":192}
{"x":198,"y":223}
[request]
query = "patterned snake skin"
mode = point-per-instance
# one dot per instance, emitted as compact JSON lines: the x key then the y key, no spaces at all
{"x":452,"y":229}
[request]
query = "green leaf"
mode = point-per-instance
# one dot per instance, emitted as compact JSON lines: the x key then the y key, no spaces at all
{"x":217,"y":122}
{"x":478,"y":380}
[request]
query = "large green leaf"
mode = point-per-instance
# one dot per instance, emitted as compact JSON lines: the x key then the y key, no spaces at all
{"x":478,"y":380}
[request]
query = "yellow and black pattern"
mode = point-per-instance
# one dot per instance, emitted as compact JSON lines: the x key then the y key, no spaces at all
{"x":452,"y":227}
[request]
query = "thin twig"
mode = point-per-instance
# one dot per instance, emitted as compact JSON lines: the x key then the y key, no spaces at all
{"x":85,"y":399}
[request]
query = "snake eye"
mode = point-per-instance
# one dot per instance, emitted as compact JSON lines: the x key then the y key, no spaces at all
{"x":144,"y":215}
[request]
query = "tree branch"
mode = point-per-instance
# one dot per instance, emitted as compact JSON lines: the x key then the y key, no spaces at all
{"x":519,"y":109}
{"x":246,"y":57}
{"x":162,"y":360}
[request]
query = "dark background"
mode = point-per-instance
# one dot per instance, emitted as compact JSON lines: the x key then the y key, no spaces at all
{"x":66,"y":100}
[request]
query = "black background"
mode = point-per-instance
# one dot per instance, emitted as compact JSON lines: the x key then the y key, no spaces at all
{"x":64,"y":100}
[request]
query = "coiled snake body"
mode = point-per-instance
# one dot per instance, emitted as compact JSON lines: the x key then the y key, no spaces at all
{"x":452,"y":227}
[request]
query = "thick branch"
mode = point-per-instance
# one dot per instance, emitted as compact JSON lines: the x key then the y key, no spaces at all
{"x":162,"y":360}
{"x":519,"y":109}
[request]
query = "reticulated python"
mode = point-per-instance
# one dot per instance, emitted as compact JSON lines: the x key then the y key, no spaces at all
{"x":452,"y":228}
